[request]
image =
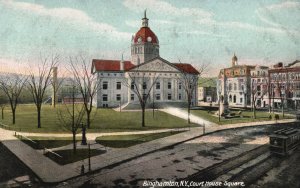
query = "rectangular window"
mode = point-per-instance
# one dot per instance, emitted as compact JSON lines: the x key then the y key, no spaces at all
{"x":179,"y":85}
{"x":132,"y":85}
{"x":118,"y":97}
{"x":132,"y":97}
{"x":144,"y":85}
{"x":179,"y":96}
{"x":104,"y":85}
{"x":241,"y":100}
{"x":104,"y":97}
{"x":169,"y":96}
{"x":118,"y":85}
{"x":157,"y":85}
{"x":144,"y":97}
{"x":157,"y":97}
{"x":169,"y":85}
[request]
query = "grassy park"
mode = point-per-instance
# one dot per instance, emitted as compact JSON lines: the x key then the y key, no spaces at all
{"x":68,"y":156}
{"x":246,"y":116}
{"x":103,"y":120}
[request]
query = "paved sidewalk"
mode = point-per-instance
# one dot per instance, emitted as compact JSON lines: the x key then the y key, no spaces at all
{"x":43,"y":167}
{"x":93,"y":136}
{"x":50,"y":172}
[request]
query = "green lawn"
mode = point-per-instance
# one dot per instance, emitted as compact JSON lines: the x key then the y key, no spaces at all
{"x":247,"y":116}
{"x":124,"y":141}
{"x":103,"y":120}
{"x":48,"y":142}
{"x":69,"y":157}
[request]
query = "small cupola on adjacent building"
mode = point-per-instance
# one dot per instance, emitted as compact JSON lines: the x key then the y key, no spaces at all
{"x":234,"y":60}
{"x":144,"y":44}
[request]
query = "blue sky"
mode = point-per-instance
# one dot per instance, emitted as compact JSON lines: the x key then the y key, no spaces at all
{"x":194,"y":31}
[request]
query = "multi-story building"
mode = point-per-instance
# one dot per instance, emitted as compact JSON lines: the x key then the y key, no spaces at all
{"x":259,"y":86}
{"x":207,"y":90}
{"x":285,"y":85}
{"x":234,"y":84}
{"x":207,"y":94}
{"x":161,"y":80}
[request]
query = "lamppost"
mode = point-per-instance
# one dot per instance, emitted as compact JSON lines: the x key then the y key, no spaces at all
{"x":83,"y":141}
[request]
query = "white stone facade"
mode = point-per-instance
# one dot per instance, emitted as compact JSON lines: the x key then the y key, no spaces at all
{"x":147,"y":68}
{"x":168,"y":89}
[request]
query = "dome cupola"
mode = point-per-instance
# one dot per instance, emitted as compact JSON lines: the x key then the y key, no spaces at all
{"x":234,"y":60}
{"x":144,"y":44}
{"x":145,"y":34}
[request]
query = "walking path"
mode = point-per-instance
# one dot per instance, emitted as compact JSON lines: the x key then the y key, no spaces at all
{"x":50,"y":172}
{"x":184,"y":115}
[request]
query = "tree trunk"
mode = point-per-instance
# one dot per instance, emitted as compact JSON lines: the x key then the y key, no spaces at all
{"x":254,"y":108}
{"x":74,"y":141}
{"x":54,"y":99}
{"x":39,"y":116}
{"x":2,"y":112}
{"x":269,"y":103}
{"x":143,"y":116}
{"x":14,"y":115}
{"x":282,"y":109}
{"x":88,"y":120}
{"x":189,"y":113}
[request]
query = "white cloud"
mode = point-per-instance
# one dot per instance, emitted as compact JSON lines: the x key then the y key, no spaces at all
{"x":250,"y":27}
{"x":269,"y":15}
{"x":166,"y":8}
{"x":284,"y":5}
{"x":200,"y":16}
{"x":77,"y":17}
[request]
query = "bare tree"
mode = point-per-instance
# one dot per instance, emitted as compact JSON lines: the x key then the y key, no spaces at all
{"x":12,"y":86}
{"x":189,"y":82}
{"x":70,"y":117}
{"x":270,"y":92}
{"x":141,"y":85}
{"x":86,"y":82}
{"x":39,"y":81}
{"x":3,"y":103}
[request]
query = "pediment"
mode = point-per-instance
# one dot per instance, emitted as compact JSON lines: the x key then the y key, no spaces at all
{"x":156,"y":65}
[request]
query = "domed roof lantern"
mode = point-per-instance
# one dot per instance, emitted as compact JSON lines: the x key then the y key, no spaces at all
{"x":145,"y":19}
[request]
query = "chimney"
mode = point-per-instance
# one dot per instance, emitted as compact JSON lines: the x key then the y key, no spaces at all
{"x":122,"y":64}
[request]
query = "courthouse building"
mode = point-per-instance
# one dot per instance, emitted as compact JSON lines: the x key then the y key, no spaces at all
{"x":157,"y":77}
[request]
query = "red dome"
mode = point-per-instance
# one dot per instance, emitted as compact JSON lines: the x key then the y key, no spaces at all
{"x":146,"y":35}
